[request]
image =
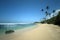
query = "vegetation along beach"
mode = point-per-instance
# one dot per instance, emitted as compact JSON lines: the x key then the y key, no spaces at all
{"x":29,"y":19}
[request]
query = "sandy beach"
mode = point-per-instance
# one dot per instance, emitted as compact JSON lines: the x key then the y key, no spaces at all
{"x":39,"y":32}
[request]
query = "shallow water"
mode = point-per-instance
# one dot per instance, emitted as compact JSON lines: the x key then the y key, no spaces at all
{"x":4,"y":28}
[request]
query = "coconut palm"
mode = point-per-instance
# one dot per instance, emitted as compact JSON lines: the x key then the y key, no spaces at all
{"x":42,"y":9}
{"x":47,"y":7}
{"x":49,"y":14}
{"x":53,"y":12}
{"x":46,"y":13}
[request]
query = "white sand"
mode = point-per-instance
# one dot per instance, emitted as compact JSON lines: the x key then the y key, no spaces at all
{"x":40,"y":32}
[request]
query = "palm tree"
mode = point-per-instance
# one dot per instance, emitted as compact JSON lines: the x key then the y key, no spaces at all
{"x":44,"y":19}
{"x":49,"y":14}
{"x":42,"y":9}
{"x":46,"y":13}
{"x":53,"y":12}
{"x":47,"y":7}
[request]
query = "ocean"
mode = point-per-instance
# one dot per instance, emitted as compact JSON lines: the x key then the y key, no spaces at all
{"x":6,"y":27}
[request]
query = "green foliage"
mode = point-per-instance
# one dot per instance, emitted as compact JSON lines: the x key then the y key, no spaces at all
{"x":51,"y":20}
{"x":54,"y":20}
{"x":42,"y":22}
{"x":57,"y":22}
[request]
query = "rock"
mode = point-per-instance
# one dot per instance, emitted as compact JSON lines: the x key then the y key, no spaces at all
{"x":9,"y":31}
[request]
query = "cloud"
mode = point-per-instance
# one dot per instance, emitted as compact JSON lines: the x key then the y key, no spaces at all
{"x":55,"y":14}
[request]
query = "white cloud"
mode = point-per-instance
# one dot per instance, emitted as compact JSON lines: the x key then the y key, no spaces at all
{"x":55,"y":14}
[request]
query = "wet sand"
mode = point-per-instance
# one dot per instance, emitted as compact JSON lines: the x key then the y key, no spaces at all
{"x":39,"y":32}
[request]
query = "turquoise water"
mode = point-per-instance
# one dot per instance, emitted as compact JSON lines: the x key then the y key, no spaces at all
{"x":4,"y":28}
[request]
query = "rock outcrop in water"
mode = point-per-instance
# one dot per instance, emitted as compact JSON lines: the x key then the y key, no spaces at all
{"x":9,"y":31}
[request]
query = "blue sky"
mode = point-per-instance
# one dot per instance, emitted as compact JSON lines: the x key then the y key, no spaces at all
{"x":25,"y":11}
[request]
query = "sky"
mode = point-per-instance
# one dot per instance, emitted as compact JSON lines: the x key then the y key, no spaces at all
{"x":25,"y":11}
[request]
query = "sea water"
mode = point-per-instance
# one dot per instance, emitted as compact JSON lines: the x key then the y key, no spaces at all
{"x":4,"y":28}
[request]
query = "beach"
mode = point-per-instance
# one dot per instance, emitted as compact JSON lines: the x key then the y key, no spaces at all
{"x":38,"y":32}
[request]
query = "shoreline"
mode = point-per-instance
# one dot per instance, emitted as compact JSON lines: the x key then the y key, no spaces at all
{"x":38,"y":32}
